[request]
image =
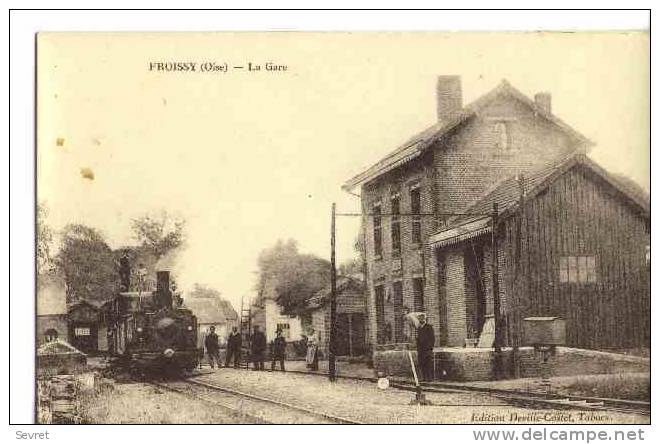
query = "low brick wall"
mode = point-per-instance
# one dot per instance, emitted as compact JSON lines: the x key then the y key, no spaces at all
{"x":477,"y":364}
{"x":61,"y":364}
{"x":393,"y":363}
{"x":574,"y":361}
{"x":466,"y":364}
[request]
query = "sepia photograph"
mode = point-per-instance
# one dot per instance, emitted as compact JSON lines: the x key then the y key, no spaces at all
{"x":343,"y":228}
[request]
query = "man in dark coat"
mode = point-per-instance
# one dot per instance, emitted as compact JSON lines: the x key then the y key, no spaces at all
{"x":278,"y":350}
{"x":258,"y":348}
{"x":425,"y":343}
{"x":212,"y":348}
{"x":234,"y":342}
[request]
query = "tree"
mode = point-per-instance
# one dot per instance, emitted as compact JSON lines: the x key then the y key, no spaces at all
{"x":294,"y":277}
{"x":203,"y":291}
{"x":44,"y":240}
{"x":87,"y":264}
{"x":351,"y":267}
{"x":159,"y":234}
{"x":354,"y":266}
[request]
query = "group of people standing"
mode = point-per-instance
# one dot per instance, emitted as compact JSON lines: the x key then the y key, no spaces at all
{"x":425,"y":341}
{"x":258,"y":346}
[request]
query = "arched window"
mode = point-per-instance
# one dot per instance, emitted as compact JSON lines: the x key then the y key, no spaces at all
{"x":51,"y":335}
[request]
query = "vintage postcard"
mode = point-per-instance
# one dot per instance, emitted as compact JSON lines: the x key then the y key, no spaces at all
{"x":343,"y":228}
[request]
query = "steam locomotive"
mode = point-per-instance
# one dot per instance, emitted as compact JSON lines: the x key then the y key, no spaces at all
{"x":150,"y":332}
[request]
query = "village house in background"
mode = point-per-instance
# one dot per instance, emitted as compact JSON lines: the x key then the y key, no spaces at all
{"x":212,"y":312}
{"x":51,"y":309}
{"x":571,"y":239}
{"x":267,"y":314}
{"x":351,"y":326}
{"x":82,"y":323}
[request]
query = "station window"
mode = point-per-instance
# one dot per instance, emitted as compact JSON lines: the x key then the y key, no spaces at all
{"x":397,"y":295}
{"x":285,"y":328}
{"x":378,"y":232}
{"x":501,"y":131}
{"x":416,"y":209}
{"x":418,"y":292}
{"x":396,"y":225}
{"x":578,"y":269}
{"x":379,"y":291}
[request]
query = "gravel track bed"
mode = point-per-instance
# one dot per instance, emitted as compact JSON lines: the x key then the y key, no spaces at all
{"x":256,"y":410}
{"x":364,"y":402}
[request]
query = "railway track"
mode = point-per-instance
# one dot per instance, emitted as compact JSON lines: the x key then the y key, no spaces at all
{"x":241,"y":417}
{"x":251,"y":408}
{"x":526,"y":399}
{"x":258,"y":409}
{"x":556,"y":401}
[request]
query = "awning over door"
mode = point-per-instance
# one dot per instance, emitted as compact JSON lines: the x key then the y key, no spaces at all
{"x":460,"y":233}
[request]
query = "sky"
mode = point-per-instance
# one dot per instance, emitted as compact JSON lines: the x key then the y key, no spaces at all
{"x":247,"y":158}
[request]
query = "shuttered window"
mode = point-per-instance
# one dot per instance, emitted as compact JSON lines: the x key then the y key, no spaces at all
{"x":416,"y":209}
{"x":397,"y":290}
{"x":378,"y":232}
{"x":396,"y":225}
{"x":379,"y":291}
{"x":418,"y":292}
{"x":578,"y":270}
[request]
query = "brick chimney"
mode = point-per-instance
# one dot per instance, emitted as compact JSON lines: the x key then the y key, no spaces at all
{"x":449,"y":96}
{"x":544,"y":101}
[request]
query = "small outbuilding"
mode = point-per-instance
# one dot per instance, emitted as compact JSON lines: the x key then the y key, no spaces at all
{"x":351,"y":317}
{"x":87,"y":328}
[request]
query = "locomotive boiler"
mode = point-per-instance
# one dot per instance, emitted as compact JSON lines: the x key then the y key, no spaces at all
{"x":151,"y":332}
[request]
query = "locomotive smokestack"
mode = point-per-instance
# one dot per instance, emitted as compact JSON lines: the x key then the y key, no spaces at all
{"x":163,"y":293}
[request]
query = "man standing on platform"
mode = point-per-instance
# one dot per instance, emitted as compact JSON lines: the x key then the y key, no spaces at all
{"x":212,"y":347}
{"x":279,"y":350}
{"x":258,"y":348}
{"x":234,"y":342}
{"x":425,"y":343}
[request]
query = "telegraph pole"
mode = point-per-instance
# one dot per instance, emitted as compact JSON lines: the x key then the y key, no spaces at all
{"x":333,"y":300}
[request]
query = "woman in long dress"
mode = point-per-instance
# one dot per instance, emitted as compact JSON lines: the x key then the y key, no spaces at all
{"x":312,"y":350}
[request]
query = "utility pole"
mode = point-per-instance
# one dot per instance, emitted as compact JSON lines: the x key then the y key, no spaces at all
{"x":496,"y":294}
{"x":333,"y":300}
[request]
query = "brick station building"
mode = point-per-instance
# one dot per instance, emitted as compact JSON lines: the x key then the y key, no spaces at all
{"x":572,"y":240}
